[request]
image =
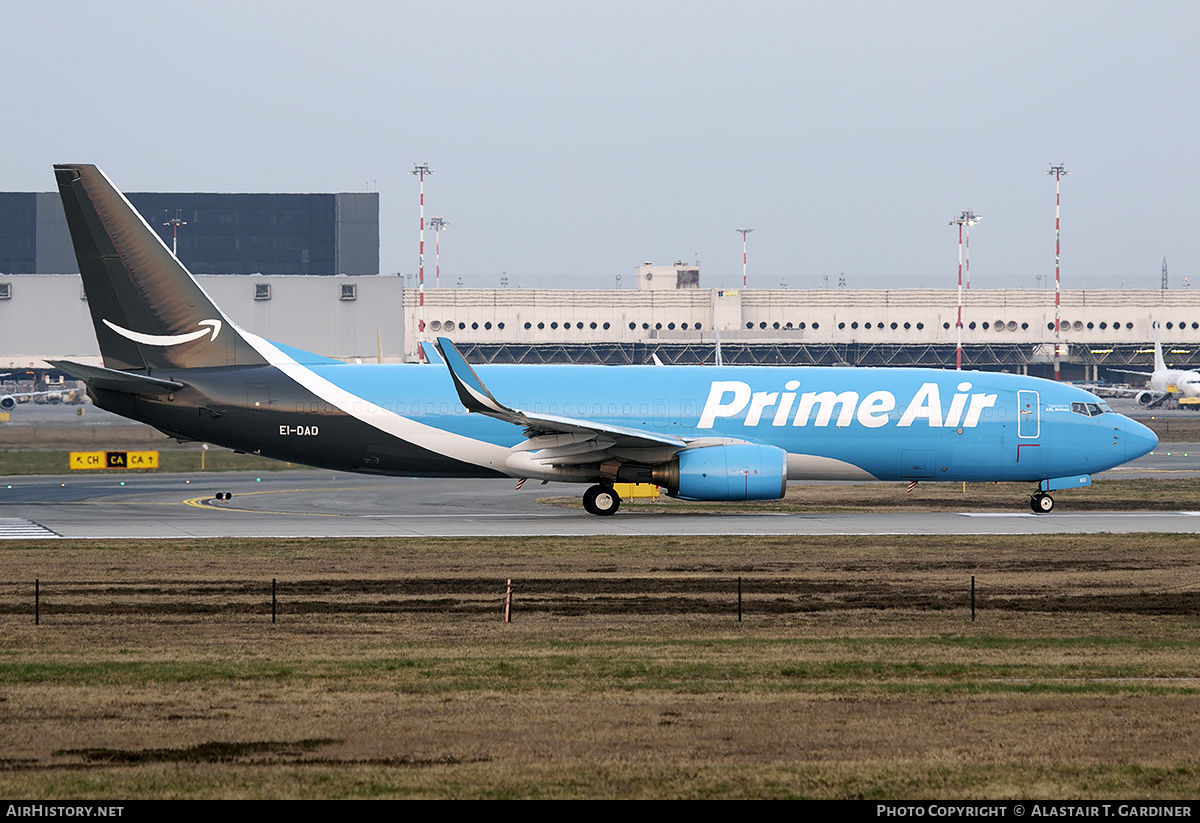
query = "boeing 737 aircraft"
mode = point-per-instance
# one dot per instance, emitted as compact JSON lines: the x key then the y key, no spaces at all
{"x":174,"y":360}
{"x":1164,"y":383}
{"x":8,"y":401}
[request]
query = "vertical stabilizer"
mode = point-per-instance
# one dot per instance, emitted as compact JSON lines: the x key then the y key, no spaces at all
{"x":148,"y":311}
{"x":1160,"y":365}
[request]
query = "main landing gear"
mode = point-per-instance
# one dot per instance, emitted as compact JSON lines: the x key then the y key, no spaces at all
{"x":1041,"y":503}
{"x":601,"y":500}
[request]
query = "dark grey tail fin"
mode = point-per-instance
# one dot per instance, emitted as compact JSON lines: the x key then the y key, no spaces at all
{"x":148,"y":311}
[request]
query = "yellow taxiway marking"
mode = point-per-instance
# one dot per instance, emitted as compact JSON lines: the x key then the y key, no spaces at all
{"x":206,"y":501}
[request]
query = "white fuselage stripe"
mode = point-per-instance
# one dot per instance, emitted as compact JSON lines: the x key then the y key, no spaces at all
{"x":447,"y":444}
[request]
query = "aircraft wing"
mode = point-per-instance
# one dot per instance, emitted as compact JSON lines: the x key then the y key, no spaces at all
{"x":559,"y":440}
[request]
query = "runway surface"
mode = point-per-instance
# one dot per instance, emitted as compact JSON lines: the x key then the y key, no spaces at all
{"x":323,"y":504}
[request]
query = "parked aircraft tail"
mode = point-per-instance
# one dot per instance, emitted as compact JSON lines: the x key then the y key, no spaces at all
{"x":148,"y":311}
{"x":1160,"y":364}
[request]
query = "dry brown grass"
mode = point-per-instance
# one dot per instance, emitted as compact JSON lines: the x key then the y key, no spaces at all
{"x":856,"y":672}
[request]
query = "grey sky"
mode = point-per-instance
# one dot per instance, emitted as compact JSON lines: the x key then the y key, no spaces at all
{"x":572,"y":141}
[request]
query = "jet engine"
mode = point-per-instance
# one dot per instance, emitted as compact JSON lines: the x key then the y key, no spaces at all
{"x":1144,"y":398}
{"x":7,"y":402}
{"x":738,"y":471}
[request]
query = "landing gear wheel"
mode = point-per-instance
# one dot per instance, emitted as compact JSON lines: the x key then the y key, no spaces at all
{"x":1041,"y":503}
{"x":601,"y":500}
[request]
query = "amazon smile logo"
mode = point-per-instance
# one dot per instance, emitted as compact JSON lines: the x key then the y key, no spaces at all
{"x":169,"y":339}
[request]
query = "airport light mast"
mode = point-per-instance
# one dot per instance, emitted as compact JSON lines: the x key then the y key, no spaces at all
{"x":175,"y":222}
{"x":1059,"y":172}
{"x":420,"y":170}
{"x":967,"y":219}
{"x":744,"y":233}
{"x":438,"y":225}
{"x":971,"y":219}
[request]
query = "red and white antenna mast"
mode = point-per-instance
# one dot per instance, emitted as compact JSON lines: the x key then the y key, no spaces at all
{"x":967,"y":219}
{"x":420,"y":170}
{"x":1059,"y":172}
{"x":970,"y":218}
{"x":438,"y":225}
{"x":175,"y":222}
{"x":744,"y":233}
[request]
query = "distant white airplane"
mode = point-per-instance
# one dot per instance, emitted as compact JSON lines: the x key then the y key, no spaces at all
{"x":7,"y":401}
{"x":1164,"y":384}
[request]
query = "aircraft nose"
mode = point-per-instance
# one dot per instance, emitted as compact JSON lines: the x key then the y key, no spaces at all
{"x":1138,"y":439}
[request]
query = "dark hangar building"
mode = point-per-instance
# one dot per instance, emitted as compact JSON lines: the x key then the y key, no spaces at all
{"x":319,"y":234}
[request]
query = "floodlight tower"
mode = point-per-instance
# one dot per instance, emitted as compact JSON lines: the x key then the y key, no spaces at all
{"x":1059,"y":172}
{"x":438,"y":225}
{"x":175,"y":222}
{"x":420,"y":170}
{"x":967,"y":219}
{"x":744,"y":233}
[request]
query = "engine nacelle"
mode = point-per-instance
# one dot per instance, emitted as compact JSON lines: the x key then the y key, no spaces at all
{"x":7,"y":402}
{"x":1144,"y":398}
{"x":739,"y":471}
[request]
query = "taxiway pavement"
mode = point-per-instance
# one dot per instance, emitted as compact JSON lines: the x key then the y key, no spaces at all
{"x":308,"y":503}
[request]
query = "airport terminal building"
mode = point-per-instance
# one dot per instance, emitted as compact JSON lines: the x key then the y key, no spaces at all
{"x":306,"y":274}
{"x":271,"y":234}
{"x":374,"y":317}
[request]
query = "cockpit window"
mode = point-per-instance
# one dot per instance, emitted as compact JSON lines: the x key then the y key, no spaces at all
{"x":1091,"y":409}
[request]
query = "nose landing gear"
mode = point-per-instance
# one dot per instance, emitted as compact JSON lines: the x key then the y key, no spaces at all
{"x":601,"y":500}
{"x":1041,"y":503}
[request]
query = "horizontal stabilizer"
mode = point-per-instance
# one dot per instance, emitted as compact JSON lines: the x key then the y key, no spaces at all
{"x":113,"y":380}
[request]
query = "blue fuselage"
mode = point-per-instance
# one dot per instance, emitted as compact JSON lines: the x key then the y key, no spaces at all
{"x":888,"y":424}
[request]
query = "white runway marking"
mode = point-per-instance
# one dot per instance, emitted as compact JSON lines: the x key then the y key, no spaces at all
{"x":1079,"y":514}
{"x":18,"y":528}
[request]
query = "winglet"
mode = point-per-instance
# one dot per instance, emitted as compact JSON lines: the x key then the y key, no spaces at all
{"x":476,"y":398}
{"x":470,"y":388}
{"x":431,"y":354}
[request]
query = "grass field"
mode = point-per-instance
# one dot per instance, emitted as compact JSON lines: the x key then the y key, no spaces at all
{"x":856,"y":670}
